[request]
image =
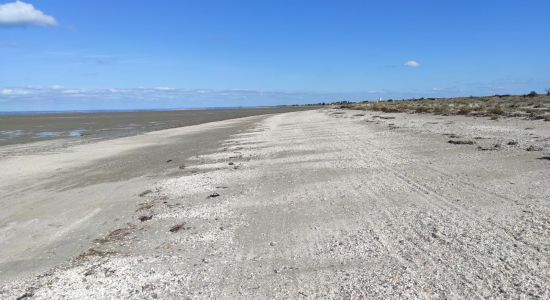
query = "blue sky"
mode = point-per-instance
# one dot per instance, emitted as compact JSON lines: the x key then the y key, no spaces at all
{"x":122,"y":54}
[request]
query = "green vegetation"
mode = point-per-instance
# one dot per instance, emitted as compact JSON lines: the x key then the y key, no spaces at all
{"x":531,"y":106}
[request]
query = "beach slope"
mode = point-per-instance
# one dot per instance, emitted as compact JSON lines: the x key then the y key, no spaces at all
{"x":314,"y":204}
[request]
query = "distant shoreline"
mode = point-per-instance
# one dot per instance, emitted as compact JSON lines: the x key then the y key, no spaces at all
{"x":93,"y":111}
{"x":20,"y":128}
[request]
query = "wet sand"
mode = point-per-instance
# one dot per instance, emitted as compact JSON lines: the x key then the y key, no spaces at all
{"x":17,"y":129}
{"x":54,"y":202}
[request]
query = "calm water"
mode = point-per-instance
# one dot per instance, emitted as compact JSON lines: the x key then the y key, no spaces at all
{"x":21,"y":127}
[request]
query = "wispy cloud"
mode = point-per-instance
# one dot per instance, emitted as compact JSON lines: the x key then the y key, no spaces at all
{"x":19,"y":13}
{"x":14,"y":92}
{"x":165,"y":88}
{"x":412,"y":64}
{"x":61,"y":98}
{"x":57,"y":97}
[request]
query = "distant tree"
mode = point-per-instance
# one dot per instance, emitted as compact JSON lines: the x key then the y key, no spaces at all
{"x":532,"y":94}
{"x":547,"y":92}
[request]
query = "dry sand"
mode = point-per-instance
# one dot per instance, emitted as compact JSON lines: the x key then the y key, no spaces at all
{"x":315,"y":204}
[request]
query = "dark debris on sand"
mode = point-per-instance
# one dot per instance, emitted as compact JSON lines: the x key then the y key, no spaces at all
{"x":115,"y":235}
{"x":145,"y":218}
{"x":460,"y":142}
{"x":178,"y":227}
{"x":490,"y":148}
{"x":213,"y":195}
{"x":144,"y":193}
{"x":92,"y":252}
{"x":533,"y":148}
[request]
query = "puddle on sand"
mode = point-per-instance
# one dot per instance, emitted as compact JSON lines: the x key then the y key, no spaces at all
{"x":10,"y":134}
{"x":76,"y":133}
{"x":49,"y":134}
{"x":46,"y":134}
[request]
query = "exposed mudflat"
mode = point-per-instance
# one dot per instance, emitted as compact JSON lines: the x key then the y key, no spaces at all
{"x":323,"y":204}
{"x":82,"y":127}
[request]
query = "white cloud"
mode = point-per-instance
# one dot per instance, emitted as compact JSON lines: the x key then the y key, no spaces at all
{"x":19,"y":13}
{"x":71,"y":91}
{"x":412,"y":64}
{"x":13,"y":92}
{"x":163,"y":88}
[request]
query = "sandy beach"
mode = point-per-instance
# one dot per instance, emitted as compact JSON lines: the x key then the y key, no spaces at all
{"x":311,"y":204}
